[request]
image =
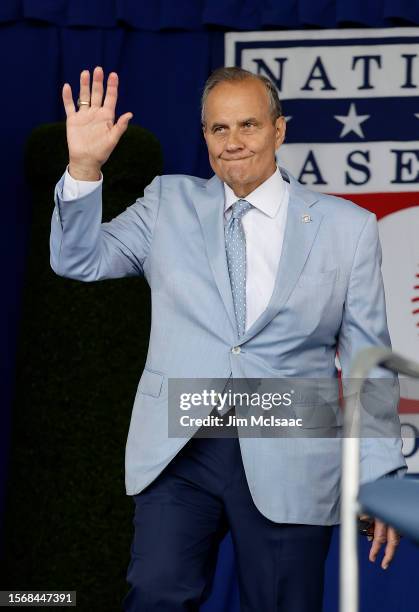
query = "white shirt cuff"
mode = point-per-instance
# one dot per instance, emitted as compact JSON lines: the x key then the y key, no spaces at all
{"x":73,"y":189}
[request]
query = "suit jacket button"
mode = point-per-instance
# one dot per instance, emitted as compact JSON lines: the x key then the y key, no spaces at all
{"x":236,"y":350}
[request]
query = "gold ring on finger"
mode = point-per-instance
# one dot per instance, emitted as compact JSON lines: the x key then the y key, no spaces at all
{"x":82,"y":103}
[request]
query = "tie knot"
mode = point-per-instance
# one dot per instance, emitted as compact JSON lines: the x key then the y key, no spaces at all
{"x":240,"y":208}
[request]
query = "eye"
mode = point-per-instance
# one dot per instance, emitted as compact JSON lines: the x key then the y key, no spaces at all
{"x":248,"y":124}
{"x":218,"y":129}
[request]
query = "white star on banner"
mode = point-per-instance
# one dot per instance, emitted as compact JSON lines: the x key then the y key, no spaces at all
{"x":352,"y":122}
{"x":417,"y":115}
{"x":288,"y":118}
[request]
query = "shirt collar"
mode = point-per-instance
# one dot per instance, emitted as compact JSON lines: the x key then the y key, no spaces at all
{"x":267,"y":197}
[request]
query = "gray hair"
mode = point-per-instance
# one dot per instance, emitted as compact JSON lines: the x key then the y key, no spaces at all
{"x":235,"y":74}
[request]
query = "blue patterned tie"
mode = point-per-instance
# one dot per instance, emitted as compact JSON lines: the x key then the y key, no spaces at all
{"x":235,"y":241}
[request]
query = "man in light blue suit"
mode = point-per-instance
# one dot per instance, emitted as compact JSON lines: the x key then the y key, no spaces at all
{"x":252,"y":275}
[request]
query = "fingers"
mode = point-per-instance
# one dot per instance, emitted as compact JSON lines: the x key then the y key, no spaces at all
{"x":380,"y":538}
{"x":383,"y":534}
{"x":68,"y":100}
{"x":84,"y":89}
{"x":121,"y":125}
{"x":97,"y":87}
{"x":96,"y":96}
{"x":111,"y":92}
{"x":393,"y":540}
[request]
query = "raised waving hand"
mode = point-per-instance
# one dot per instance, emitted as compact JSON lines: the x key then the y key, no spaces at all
{"x":92,"y":133}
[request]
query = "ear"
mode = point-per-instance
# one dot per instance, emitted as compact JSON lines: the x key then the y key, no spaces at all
{"x":280,"y":129}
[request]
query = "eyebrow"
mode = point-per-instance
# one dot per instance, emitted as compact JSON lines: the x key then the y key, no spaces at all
{"x":249,"y":120}
{"x":216,"y":125}
{"x":242,"y":122}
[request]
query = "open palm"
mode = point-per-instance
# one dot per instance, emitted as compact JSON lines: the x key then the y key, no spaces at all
{"x":92,"y":133}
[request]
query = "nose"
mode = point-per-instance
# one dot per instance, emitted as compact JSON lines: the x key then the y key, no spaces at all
{"x":234,"y":142}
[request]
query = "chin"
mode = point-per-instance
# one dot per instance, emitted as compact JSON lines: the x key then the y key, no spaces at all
{"x":238,"y":174}
{"x":243,"y":178}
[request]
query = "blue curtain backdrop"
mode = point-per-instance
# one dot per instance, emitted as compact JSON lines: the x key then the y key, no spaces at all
{"x":163,"y":51}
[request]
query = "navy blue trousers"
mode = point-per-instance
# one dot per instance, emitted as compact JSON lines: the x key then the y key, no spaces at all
{"x":182,"y":516}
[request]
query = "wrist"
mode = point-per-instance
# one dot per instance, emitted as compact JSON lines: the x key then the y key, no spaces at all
{"x":84,"y":172}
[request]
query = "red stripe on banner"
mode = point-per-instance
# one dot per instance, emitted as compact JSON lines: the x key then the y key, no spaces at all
{"x":408,"y":405}
{"x":382,"y":204}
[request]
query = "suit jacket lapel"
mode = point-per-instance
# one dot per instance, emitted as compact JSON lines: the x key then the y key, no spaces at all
{"x":298,"y":240}
{"x":210,"y":209}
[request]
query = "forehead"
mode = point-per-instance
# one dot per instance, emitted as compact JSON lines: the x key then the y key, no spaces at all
{"x":235,"y":99}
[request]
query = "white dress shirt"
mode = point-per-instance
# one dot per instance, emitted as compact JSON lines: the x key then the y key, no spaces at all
{"x":264,"y":227}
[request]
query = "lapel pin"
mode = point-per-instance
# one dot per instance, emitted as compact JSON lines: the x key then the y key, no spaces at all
{"x":306,"y":218}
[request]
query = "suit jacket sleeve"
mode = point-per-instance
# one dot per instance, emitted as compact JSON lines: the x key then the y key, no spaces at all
{"x":85,"y":249}
{"x":364,"y":324}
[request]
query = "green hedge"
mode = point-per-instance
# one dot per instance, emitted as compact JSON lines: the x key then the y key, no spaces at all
{"x":81,"y":351}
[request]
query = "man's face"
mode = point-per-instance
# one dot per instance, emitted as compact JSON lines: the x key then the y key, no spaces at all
{"x":240,"y":135}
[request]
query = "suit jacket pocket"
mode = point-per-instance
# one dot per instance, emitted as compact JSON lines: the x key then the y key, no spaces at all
{"x":150,"y":382}
{"x":318,"y":278}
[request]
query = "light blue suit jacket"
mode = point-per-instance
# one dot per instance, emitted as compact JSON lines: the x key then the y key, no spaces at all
{"x":328,"y":293}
